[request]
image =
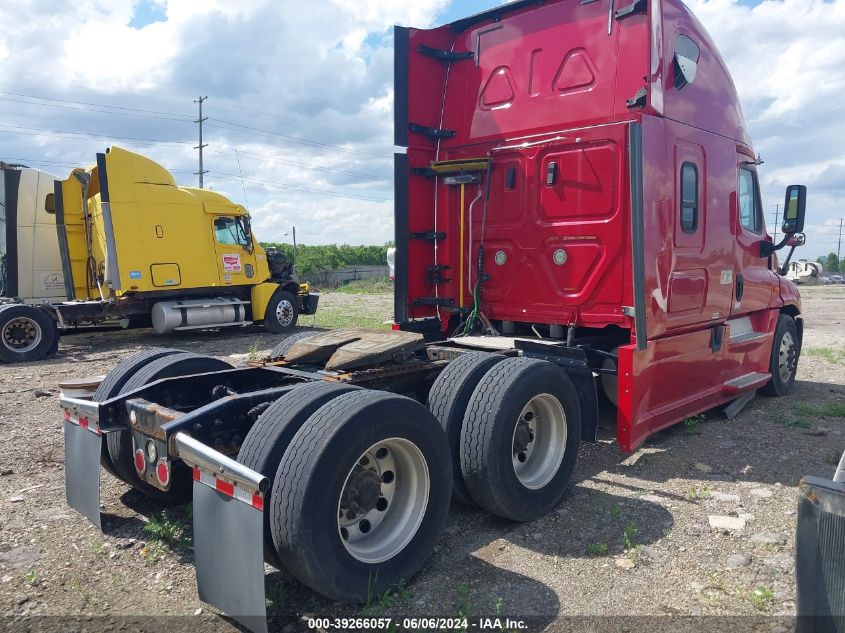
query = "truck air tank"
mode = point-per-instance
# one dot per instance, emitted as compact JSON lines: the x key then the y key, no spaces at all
{"x":169,"y":316}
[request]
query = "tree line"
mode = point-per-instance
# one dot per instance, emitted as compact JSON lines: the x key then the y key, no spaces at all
{"x":832,"y":264}
{"x":312,"y":259}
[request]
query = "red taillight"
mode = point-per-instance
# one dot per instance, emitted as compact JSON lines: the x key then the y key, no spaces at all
{"x":395,"y":327}
{"x":163,"y":473}
{"x":140,"y":462}
{"x":67,"y":415}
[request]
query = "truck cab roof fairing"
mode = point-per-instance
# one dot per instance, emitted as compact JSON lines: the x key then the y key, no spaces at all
{"x":710,"y":102}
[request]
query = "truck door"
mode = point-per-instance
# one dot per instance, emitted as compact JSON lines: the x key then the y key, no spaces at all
{"x":753,"y":282}
{"x":233,"y":247}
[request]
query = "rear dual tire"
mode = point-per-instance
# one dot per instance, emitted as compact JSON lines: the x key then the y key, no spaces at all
{"x":448,"y":401}
{"x":356,"y":505}
{"x":270,"y":436}
{"x":520,"y":438}
{"x":113,"y":383}
{"x":120,"y":445}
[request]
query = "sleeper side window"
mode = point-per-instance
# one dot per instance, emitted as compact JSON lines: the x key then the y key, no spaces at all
{"x":230,"y":231}
{"x":689,"y":198}
{"x":749,"y":208}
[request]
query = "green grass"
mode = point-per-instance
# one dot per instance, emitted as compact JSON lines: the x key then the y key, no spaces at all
{"x":628,"y":533}
{"x":598,"y":549}
{"x":830,"y":354}
{"x":276,"y":595}
{"x":691,"y":423}
{"x":163,"y":529}
{"x":826,"y":410}
{"x":366,"y":287}
{"x":253,"y":352}
{"x":761,"y":597}
{"x":696,"y":494}
{"x":336,"y":318}
{"x":463,"y":601}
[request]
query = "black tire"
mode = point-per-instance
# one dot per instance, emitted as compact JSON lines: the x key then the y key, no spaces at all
{"x":125,"y":369}
{"x":313,"y":474}
{"x":27,"y":334}
{"x":784,"y":357}
{"x":283,"y":348}
{"x":113,"y":383}
{"x":269,"y":437}
{"x":287,"y":320}
{"x":448,"y":401}
{"x":120,"y":442}
{"x":488,"y":436}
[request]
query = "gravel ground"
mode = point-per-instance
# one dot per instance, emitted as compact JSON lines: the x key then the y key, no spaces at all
{"x":700,"y":521}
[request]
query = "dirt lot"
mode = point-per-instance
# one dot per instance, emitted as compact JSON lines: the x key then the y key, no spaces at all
{"x":632,"y":537}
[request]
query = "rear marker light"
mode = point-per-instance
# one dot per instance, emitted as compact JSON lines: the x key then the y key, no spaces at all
{"x":67,"y":416}
{"x":395,"y":327}
{"x":140,"y":461}
{"x":163,"y":473}
{"x":83,"y":422}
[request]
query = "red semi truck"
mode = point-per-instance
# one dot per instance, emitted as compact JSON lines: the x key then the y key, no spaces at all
{"x":577,"y":209}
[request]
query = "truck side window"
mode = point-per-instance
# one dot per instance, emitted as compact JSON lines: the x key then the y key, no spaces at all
{"x":749,"y":213}
{"x":230,"y":231}
{"x":689,"y":198}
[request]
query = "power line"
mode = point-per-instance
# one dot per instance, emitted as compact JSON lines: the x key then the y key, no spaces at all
{"x":81,"y":106}
{"x":291,"y":139}
{"x":264,"y":157}
{"x":288,"y":186}
{"x":20,"y":129}
{"x":103,"y":108}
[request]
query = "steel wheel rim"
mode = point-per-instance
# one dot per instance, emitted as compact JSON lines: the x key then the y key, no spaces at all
{"x":21,"y":334}
{"x":785,"y":356}
{"x":284,"y":312}
{"x":539,"y":441}
{"x":383,"y":527}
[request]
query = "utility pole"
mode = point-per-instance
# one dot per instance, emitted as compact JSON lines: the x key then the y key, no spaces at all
{"x":200,"y":146}
{"x":294,"y":248}
{"x":839,"y":246}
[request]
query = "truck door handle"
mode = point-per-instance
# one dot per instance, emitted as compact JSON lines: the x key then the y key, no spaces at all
{"x":740,"y":286}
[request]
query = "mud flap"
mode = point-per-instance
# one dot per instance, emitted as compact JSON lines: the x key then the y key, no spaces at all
{"x":229,"y":558}
{"x":228,"y":510}
{"x":82,"y":471}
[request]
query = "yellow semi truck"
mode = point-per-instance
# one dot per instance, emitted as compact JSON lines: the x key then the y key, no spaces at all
{"x":120,"y":240}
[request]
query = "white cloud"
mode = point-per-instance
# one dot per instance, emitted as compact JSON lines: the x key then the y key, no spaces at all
{"x":787,"y":58}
